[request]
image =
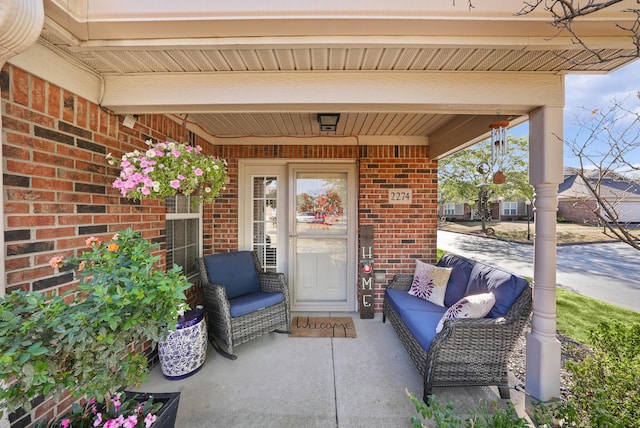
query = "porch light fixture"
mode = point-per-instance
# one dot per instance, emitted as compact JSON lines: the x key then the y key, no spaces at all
{"x":328,"y":121}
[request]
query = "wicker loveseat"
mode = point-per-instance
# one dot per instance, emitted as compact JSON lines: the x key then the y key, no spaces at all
{"x":466,"y":352}
{"x":241,"y":301}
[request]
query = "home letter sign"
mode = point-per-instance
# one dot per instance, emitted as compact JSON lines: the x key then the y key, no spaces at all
{"x":365,"y":286}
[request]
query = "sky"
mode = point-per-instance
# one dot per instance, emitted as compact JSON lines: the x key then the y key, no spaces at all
{"x":586,"y":92}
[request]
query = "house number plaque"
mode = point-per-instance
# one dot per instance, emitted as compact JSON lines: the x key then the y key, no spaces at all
{"x":365,"y":286}
{"x":400,"y":196}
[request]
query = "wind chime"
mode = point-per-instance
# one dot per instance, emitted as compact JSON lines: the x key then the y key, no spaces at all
{"x":498,"y":148}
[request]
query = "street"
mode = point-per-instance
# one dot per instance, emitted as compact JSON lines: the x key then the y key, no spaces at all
{"x":608,"y":272}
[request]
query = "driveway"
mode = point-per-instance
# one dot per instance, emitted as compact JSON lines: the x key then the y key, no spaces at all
{"x":608,"y":272}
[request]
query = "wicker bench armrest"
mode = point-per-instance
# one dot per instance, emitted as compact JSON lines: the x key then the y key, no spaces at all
{"x":401,"y":281}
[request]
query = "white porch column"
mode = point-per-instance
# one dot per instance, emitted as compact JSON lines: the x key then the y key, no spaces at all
{"x":545,"y":174}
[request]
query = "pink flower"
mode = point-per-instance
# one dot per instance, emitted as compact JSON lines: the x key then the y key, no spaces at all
{"x":116,"y":402}
{"x":111,"y":423}
{"x":198,"y":172}
{"x":149,"y":420}
{"x":92,"y":240}
{"x":56,"y":262}
{"x":181,"y":177}
{"x":65,"y":423}
{"x":145,"y":191}
{"x":176,"y":153}
{"x":130,"y":422}
{"x":98,"y":420}
{"x":175,"y":184}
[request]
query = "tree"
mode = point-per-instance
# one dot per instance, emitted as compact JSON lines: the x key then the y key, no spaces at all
{"x":604,"y":145}
{"x":564,"y":13}
{"x":461,"y":174}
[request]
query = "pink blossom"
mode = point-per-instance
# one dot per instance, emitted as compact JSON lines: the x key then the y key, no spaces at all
{"x":175,"y":184}
{"x":181,"y":177}
{"x":149,"y":420}
{"x":176,"y":153}
{"x":56,"y":262}
{"x":116,"y":402}
{"x":130,"y":422}
{"x":98,"y":420}
{"x":198,"y":172}
{"x":65,"y":423}
{"x":89,"y":242}
{"x":145,"y":191}
{"x":111,"y":423}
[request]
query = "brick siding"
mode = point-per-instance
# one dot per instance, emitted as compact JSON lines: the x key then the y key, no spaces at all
{"x":58,"y":191}
{"x":578,"y":211}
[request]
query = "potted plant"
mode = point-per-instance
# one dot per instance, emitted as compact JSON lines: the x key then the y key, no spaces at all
{"x":168,"y":168}
{"x":89,"y":341}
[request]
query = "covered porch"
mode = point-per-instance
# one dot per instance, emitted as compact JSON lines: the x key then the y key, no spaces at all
{"x":280,"y":381}
{"x":412,"y":82}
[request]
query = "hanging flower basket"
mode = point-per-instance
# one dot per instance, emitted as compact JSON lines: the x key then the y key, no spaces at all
{"x":166,"y":169}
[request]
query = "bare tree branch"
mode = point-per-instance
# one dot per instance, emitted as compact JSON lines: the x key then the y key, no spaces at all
{"x":565,"y":12}
{"x":607,"y":140}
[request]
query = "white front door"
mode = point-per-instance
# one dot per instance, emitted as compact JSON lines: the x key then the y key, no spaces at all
{"x":301,"y":220}
{"x":322,"y":237}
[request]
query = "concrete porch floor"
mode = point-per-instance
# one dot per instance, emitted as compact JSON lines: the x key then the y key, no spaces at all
{"x":281,"y":381}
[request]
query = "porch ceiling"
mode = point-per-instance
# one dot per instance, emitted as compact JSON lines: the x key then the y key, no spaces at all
{"x":370,"y":44}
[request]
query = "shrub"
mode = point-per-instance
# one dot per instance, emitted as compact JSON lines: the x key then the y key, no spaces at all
{"x":605,"y":390}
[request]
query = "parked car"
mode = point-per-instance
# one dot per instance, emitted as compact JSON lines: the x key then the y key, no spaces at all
{"x":308,"y":217}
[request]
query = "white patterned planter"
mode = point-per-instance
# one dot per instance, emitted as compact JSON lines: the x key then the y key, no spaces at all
{"x":185,"y":349}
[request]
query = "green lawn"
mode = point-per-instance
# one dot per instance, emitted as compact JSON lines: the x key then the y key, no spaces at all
{"x":578,"y":314}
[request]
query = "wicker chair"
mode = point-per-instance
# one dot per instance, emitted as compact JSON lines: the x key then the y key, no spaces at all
{"x":467,"y":352}
{"x":241,"y":301}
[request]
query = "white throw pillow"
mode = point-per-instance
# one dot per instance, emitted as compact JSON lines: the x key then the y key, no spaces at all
{"x":474,"y":306}
{"x":430,"y":282}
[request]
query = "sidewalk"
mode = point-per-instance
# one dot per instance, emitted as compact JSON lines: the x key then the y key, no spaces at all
{"x":281,"y":381}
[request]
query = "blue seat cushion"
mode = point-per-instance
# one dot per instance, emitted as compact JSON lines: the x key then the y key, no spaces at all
{"x":504,"y":285}
{"x":459,"y":279}
{"x":402,"y":301}
{"x":236,"y":271}
{"x":252,"y":302}
{"x":422,"y":325}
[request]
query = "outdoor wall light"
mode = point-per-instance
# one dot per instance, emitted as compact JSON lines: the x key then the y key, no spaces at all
{"x":328,"y":121}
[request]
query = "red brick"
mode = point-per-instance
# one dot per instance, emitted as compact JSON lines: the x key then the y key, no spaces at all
{"x":53,"y":100}
{"x":39,"y":208}
{"x":68,"y":107}
{"x":30,"y":221}
{"x":49,"y":159}
{"x":16,"y":208}
{"x":19,"y":194}
{"x":20,"y":86}
{"x":58,"y":232}
{"x":38,"y":94}
{"x":32,"y":169}
{"x":81,"y":112}
{"x":74,"y":220}
{"x":13,"y":152}
{"x":11,"y":124}
{"x":11,"y":264}
{"x":41,"y":183}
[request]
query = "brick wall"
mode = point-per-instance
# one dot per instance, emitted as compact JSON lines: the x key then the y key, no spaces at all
{"x":58,"y":191}
{"x":578,"y":211}
{"x":402,"y":233}
{"x":57,"y":186}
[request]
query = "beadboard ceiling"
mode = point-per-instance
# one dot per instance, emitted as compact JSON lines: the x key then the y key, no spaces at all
{"x":134,"y":57}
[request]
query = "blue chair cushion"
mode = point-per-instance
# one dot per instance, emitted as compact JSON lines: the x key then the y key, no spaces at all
{"x":459,"y":279}
{"x":402,"y":301}
{"x":236,"y":271}
{"x":422,"y":325}
{"x":252,"y":302}
{"x":504,"y":285}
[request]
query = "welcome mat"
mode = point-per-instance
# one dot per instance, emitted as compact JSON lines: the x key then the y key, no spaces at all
{"x":322,"y":327}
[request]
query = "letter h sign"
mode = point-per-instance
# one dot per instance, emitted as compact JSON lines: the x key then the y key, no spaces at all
{"x":365,"y":277}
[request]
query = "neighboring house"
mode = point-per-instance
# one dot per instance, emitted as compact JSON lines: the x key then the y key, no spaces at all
{"x":576,"y":202}
{"x":500,"y":211}
{"x":412,"y":82}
